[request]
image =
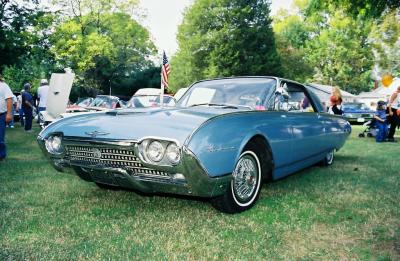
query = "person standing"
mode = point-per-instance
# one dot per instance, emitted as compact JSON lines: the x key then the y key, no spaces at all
{"x":393,"y":108}
{"x":42,"y":96}
{"x":27,"y":107}
{"x":336,"y":101}
{"x":5,"y":114}
{"x":19,"y":108}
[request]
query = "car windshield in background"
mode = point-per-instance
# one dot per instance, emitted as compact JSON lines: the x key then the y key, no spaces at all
{"x":355,"y":106}
{"x":240,"y":92}
{"x":103,"y":102}
{"x":84,"y":102}
{"x":149,"y":101}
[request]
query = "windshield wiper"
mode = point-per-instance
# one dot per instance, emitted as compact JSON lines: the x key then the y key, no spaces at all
{"x":223,"y":105}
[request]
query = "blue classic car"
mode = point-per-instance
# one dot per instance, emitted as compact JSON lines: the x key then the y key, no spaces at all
{"x":357,"y":112}
{"x":224,"y":137}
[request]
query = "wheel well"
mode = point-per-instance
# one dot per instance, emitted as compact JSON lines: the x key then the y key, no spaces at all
{"x":262,"y":143}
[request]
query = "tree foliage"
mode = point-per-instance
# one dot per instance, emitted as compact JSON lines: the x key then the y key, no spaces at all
{"x":224,"y":38}
{"x":102,"y":48}
{"x":341,"y":53}
{"x":291,"y":33}
{"x":365,"y":8}
{"x":385,"y":39}
{"x":335,"y":45}
{"x":24,"y":42}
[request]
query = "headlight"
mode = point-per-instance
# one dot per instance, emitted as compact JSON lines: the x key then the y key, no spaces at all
{"x":173,"y":153}
{"x":155,"y":151}
{"x":54,"y":145}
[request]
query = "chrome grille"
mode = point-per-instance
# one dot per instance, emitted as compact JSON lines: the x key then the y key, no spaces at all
{"x":109,"y":157}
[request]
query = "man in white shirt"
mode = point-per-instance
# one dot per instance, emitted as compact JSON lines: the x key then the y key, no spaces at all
{"x":5,"y":113}
{"x":42,"y":95}
{"x":393,"y":108}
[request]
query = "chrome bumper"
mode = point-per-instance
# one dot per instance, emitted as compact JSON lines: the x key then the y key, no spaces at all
{"x":187,"y":178}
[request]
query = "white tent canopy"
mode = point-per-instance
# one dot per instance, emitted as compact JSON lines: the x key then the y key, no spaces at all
{"x":390,"y":89}
{"x":381,"y":93}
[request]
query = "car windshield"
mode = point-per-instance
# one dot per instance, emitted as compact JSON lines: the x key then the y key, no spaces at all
{"x":149,"y":101}
{"x":103,"y":102}
{"x":251,"y":93}
{"x":355,"y":106}
{"x":84,"y":102}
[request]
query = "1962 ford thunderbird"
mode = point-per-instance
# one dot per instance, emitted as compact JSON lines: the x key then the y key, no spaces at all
{"x":224,"y":137}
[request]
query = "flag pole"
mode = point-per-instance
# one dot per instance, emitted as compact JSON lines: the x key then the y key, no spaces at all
{"x":162,"y":85}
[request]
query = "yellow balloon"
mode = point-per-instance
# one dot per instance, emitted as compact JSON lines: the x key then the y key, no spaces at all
{"x":387,"y":79}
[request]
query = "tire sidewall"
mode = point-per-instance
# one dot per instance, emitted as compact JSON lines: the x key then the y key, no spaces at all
{"x":329,"y":161}
{"x":256,"y":192}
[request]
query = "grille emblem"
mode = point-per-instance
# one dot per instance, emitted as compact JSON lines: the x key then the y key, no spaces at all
{"x":96,"y":153}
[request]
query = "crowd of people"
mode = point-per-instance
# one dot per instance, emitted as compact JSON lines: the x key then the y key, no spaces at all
{"x":24,"y":104}
{"x":387,"y":116}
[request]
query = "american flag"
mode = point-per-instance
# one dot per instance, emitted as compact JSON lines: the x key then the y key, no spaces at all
{"x":165,"y":70}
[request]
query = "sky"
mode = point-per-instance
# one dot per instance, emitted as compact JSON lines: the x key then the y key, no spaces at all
{"x":164,"y":16}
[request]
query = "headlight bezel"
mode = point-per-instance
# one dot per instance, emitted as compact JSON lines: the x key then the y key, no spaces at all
{"x":165,"y":161}
{"x":54,"y":144}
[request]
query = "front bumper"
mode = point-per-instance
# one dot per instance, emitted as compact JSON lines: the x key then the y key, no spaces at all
{"x":187,"y":178}
{"x":358,"y":118}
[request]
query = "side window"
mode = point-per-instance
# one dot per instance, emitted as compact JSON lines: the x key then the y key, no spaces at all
{"x":298,"y":100}
{"x":290,"y":97}
{"x":280,"y":99}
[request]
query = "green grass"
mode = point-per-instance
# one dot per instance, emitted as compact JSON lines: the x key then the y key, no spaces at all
{"x":347,"y":211}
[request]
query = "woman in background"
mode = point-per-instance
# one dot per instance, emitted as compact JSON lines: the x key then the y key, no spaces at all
{"x":336,"y":101}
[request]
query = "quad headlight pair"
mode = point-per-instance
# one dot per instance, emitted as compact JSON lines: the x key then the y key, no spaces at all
{"x":160,"y":151}
{"x":54,"y":144}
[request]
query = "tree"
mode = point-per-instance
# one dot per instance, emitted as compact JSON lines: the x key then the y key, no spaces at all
{"x":385,"y":39}
{"x":291,"y":33}
{"x":99,"y":52}
{"x":328,"y":45}
{"x":341,"y":53}
{"x":24,"y":45}
{"x":224,"y":38}
{"x":368,"y":9}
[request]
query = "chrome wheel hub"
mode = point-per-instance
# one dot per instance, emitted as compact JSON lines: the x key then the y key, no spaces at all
{"x":245,"y":177}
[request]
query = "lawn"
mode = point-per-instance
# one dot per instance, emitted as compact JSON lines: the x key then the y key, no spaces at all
{"x":347,"y":211}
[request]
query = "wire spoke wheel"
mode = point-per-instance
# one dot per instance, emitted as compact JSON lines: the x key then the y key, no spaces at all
{"x":245,"y":178}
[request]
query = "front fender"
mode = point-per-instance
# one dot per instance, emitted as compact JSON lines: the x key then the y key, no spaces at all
{"x":218,"y":143}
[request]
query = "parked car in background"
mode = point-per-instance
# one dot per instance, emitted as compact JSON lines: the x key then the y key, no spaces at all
{"x":84,"y":102}
{"x":105,"y":102}
{"x":357,"y":112}
{"x":224,"y":137}
{"x":142,"y":101}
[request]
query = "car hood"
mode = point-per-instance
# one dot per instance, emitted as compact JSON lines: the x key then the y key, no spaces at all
{"x":135,"y":124}
{"x":357,"y":111}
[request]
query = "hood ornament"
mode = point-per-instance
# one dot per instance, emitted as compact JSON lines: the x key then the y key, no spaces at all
{"x":94,"y":134}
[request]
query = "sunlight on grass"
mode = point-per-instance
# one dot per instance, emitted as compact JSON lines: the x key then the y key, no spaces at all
{"x":347,"y":211}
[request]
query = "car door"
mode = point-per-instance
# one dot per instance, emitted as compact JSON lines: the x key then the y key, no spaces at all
{"x":276,"y":125}
{"x":307,"y":124}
